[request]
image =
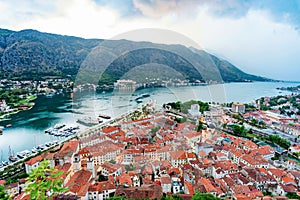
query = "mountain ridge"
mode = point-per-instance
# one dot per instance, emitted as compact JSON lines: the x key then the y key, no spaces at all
{"x":34,"y":54}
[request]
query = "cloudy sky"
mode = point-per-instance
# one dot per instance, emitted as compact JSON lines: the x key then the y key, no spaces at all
{"x":259,"y":36}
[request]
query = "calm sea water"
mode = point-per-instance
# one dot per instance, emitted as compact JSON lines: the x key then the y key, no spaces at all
{"x":28,"y":127}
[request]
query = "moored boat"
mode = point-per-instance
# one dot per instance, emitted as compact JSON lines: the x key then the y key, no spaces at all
{"x":23,"y":154}
{"x":59,"y":126}
{"x":11,"y":156}
{"x":104,"y":116}
{"x":88,"y":121}
{"x":34,"y":150}
{"x":5,"y":163}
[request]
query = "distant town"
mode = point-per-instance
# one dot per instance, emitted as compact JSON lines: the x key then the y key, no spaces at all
{"x":19,"y":95}
{"x":231,"y":151}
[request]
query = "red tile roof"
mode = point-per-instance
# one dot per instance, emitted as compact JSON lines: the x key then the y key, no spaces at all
{"x":110,"y":129}
{"x":193,"y":134}
{"x":263,"y":150}
{"x":225,"y":165}
{"x":178,"y":155}
{"x":241,"y":197}
{"x":146,"y":191}
{"x":79,"y":182}
{"x":278,"y":173}
{"x":249,"y":144}
{"x":207,"y":184}
{"x":83,"y":151}
{"x":101,"y":186}
{"x":240,"y":189}
{"x":124,"y":179}
{"x":191,"y":155}
{"x":165,"y":180}
{"x":288,"y":179}
{"x":257,"y":160}
{"x":190,"y":188}
{"x":73,"y":145}
{"x":174,"y":171}
{"x":34,"y":160}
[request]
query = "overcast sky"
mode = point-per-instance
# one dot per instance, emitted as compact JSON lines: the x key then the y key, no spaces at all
{"x":261,"y":37}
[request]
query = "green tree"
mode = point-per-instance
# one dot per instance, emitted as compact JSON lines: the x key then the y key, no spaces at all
{"x":238,"y":130}
{"x":292,"y":195}
{"x":44,"y":179}
{"x":200,"y":126}
{"x":262,"y":124}
{"x":171,"y":197}
{"x":280,"y":141}
{"x":154,"y":130}
{"x":254,"y":122}
{"x":116,"y":198}
{"x":3,"y":194}
{"x":204,"y":196}
{"x":112,"y":161}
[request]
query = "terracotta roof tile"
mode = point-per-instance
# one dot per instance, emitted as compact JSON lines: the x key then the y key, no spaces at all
{"x":190,"y":187}
{"x":79,"y":182}
{"x":101,"y":186}
{"x":124,"y":179}
{"x":34,"y":160}
{"x":240,"y":189}
{"x":178,"y":155}
{"x":277,"y":172}
{"x":73,"y":145}
{"x":241,"y":197}
{"x":165,"y":180}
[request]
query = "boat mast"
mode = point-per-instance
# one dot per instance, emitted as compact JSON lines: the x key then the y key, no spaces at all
{"x":1,"y":154}
{"x":9,"y":151}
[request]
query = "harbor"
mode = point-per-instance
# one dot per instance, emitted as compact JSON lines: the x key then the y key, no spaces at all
{"x":25,"y":154}
{"x":62,"y":130}
{"x":26,"y":129}
{"x":63,"y":133}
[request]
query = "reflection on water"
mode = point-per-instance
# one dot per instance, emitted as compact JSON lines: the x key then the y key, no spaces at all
{"x":28,"y":127}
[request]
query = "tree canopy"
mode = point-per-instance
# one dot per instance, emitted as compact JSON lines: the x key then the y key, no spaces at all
{"x":204,"y":196}
{"x":3,"y":194}
{"x":44,"y":181}
{"x":184,"y":107}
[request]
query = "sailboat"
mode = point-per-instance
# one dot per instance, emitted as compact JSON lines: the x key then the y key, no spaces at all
{"x":11,"y":157}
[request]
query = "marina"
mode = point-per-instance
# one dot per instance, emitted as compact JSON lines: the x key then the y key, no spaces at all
{"x":27,"y":130}
{"x":21,"y":156}
{"x":58,"y":130}
{"x":62,"y":130}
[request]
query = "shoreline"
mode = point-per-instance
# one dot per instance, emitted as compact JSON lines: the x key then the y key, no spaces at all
{"x":83,"y":133}
{"x":28,"y":101}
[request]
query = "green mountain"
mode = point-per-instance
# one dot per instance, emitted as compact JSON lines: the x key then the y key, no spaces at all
{"x":33,"y":54}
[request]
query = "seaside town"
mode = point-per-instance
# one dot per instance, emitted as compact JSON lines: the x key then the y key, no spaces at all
{"x":149,"y":100}
{"x":233,"y":151}
{"x":19,"y":95}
